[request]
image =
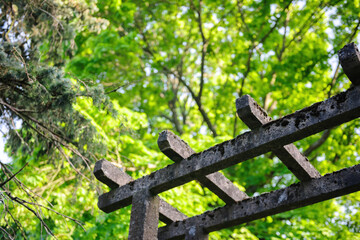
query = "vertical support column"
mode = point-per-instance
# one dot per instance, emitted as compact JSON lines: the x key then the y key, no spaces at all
{"x":144,"y":218}
{"x":196,"y":233}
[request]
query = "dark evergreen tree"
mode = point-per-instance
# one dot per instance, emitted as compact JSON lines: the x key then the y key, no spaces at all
{"x":36,"y":38}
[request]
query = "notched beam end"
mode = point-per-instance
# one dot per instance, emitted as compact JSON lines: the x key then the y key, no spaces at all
{"x":250,"y":112}
{"x":349,"y":57}
{"x":109,"y":174}
{"x":162,"y":141}
{"x":173,"y":146}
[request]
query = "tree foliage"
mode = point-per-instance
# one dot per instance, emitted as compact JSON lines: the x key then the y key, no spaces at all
{"x":160,"y":65}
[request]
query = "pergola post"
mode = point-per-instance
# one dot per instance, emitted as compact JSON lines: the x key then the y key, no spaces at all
{"x":144,"y":218}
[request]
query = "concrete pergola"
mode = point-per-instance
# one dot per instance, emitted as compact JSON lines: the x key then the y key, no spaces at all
{"x":266,"y":135}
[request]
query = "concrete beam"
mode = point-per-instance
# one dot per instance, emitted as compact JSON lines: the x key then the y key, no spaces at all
{"x":254,"y":117}
{"x":110,"y":175}
{"x":349,"y":57}
{"x":308,"y":121}
{"x":177,"y":149}
{"x":196,"y":233}
{"x":114,"y":177}
{"x":295,"y":196}
{"x":144,"y":218}
{"x":170,"y":214}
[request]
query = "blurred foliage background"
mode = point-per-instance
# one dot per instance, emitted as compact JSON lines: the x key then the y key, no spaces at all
{"x":83,"y":80}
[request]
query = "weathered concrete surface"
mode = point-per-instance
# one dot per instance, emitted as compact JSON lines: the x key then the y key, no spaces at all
{"x":144,"y":218}
{"x":295,"y":196}
{"x":196,"y":233}
{"x":254,"y":117}
{"x":349,"y":57}
{"x":177,"y":149}
{"x":173,"y":146}
{"x":170,"y":214}
{"x":108,"y":173}
{"x":316,"y":118}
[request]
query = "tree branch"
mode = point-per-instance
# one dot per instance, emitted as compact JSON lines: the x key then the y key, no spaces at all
{"x":262,"y":40}
{"x":318,"y":143}
{"x":204,"y":45}
{"x":13,"y":175}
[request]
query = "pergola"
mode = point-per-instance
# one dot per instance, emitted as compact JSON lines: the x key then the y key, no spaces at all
{"x":266,"y":135}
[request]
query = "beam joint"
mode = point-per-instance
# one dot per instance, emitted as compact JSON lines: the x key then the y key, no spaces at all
{"x":254,"y":117}
{"x":114,"y":177}
{"x":177,"y":149}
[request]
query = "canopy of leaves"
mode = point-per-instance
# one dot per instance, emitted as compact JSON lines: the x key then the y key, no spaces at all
{"x":175,"y":65}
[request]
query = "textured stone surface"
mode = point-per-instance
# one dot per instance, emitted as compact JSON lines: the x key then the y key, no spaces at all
{"x":114,"y":177}
{"x":316,"y":118}
{"x":196,"y":233}
{"x":295,"y":196}
{"x":254,"y":117}
{"x":177,"y":149}
{"x":169,"y":214}
{"x":144,"y":218}
{"x":349,"y":57}
{"x":173,"y":146}
{"x":110,"y":175}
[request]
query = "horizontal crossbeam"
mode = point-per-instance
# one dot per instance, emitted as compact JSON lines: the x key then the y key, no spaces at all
{"x":177,"y":149}
{"x":316,"y":118}
{"x":295,"y":196}
{"x":112,"y":176}
{"x":254,"y":117}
